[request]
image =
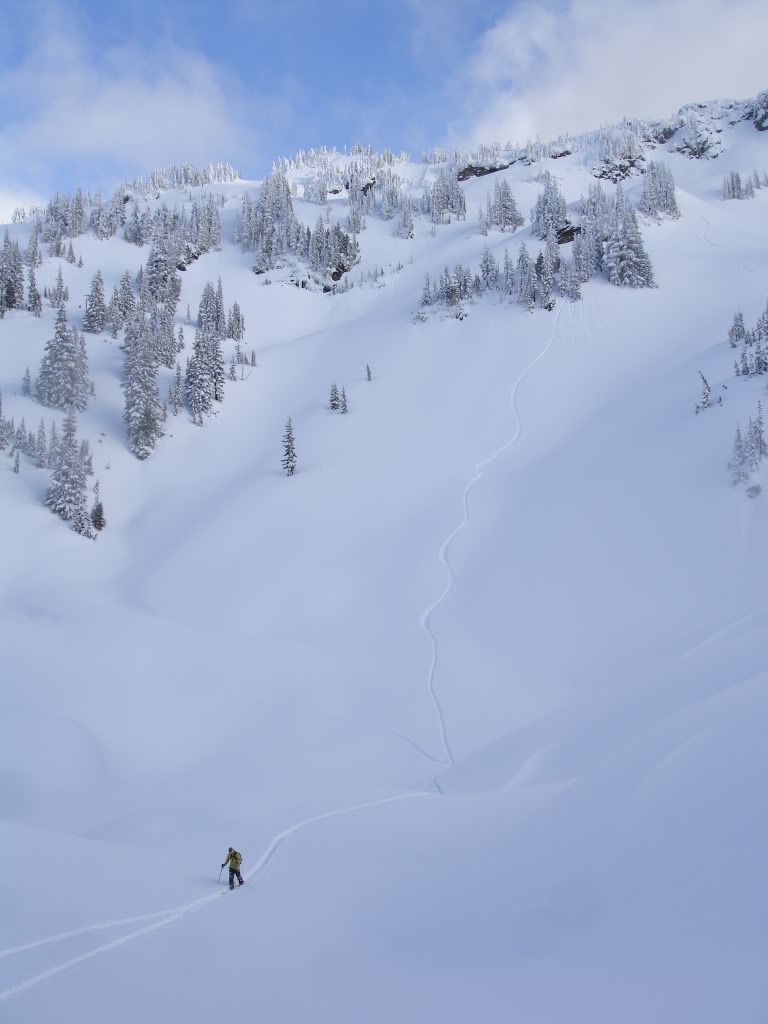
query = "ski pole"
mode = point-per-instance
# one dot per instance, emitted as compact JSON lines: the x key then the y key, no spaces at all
{"x":220,"y":876}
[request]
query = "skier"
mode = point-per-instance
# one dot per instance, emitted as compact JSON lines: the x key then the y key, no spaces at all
{"x":234,"y":859}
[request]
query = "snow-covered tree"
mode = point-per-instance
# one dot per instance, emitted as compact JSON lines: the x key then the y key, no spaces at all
{"x":11,"y":275}
{"x":60,"y":293}
{"x":143,"y":410}
{"x":62,"y":381}
{"x":738,"y":333}
{"x":95,"y":316}
{"x":706,"y":392}
{"x":625,"y":258}
{"x":177,"y":392}
{"x":288,"y":460}
{"x":549,"y":210}
{"x":526,"y":278}
{"x":503,"y":211}
{"x":41,"y":446}
{"x":658,"y":194}
{"x":489,"y":269}
{"x":161,"y":277}
{"x":34,"y":302}
{"x":66,"y":495}
{"x":98,"y":519}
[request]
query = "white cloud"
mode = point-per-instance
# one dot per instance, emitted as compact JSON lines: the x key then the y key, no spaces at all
{"x":127,"y":108}
{"x":550,"y":67}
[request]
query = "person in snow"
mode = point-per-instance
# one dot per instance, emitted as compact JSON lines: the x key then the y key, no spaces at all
{"x":234,"y":859}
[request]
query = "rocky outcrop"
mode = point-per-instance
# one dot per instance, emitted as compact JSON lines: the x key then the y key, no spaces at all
{"x":760,"y":112}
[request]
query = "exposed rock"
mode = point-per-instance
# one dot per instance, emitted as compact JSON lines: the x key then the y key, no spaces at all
{"x":760,"y":112}
{"x":618,"y":170}
{"x":567,"y":233}
{"x":479,"y":171}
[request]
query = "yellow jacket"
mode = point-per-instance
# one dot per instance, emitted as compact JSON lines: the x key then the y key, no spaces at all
{"x":234,"y":859}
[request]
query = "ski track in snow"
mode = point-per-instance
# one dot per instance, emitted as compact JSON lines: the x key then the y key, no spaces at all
{"x":163,"y":918}
{"x":481,"y":469}
{"x":706,"y":235}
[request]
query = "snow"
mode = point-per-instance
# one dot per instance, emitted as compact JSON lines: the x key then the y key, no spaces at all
{"x":479,"y":693}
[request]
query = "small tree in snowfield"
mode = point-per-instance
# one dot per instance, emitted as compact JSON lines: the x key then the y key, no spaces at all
{"x":97,"y":512}
{"x":333,"y":400}
{"x":289,"y":450}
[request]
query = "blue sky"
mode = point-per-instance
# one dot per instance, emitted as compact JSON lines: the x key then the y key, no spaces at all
{"x":92,"y":93}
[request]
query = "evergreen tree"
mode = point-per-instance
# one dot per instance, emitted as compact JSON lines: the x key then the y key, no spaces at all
{"x":41,"y":446}
{"x":547,"y":275}
{"x":737,"y":334}
{"x":334,"y":398}
{"x":66,"y":495}
{"x":235,"y":324}
{"x":658,"y":195}
{"x":11,"y":275}
{"x":549,"y":211}
{"x":526,"y":282}
{"x":426,"y":295}
{"x":143,"y":410}
{"x":198,"y":383}
{"x":738,"y":463}
{"x":161,"y":277}
{"x":95,"y":317}
{"x":33,"y":257}
{"x":125,"y":293}
{"x":706,"y":391}
{"x":625,"y":258}
{"x":53,"y":447}
{"x":368,"y":374}
{"x":26,"y":383}
{"x":289,"y":450}
{"x":34,"y":302}
{"x":751,"y":447}
{"x":757,"y":434}
{"x":16,"y":463}
{"x":62,"y":382}
{"x":97,"y":512}
{"x":343,"y":406}
{"x":508,"y":274}
{"x":489,"y":269}
{"x":220,"y":322}
{"x":504,"y":212}
{"x":60,"y":293}
{"x":177,"y":392}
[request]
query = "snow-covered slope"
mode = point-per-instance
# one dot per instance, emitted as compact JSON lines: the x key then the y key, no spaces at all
{"x":479,"y":693}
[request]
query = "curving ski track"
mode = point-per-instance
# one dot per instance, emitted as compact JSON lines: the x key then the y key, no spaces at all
{"x":162,"y":919}
{"x":481,"y":469}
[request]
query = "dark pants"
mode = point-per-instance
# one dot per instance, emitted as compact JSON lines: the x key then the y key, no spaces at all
{"x":232,"y":873}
